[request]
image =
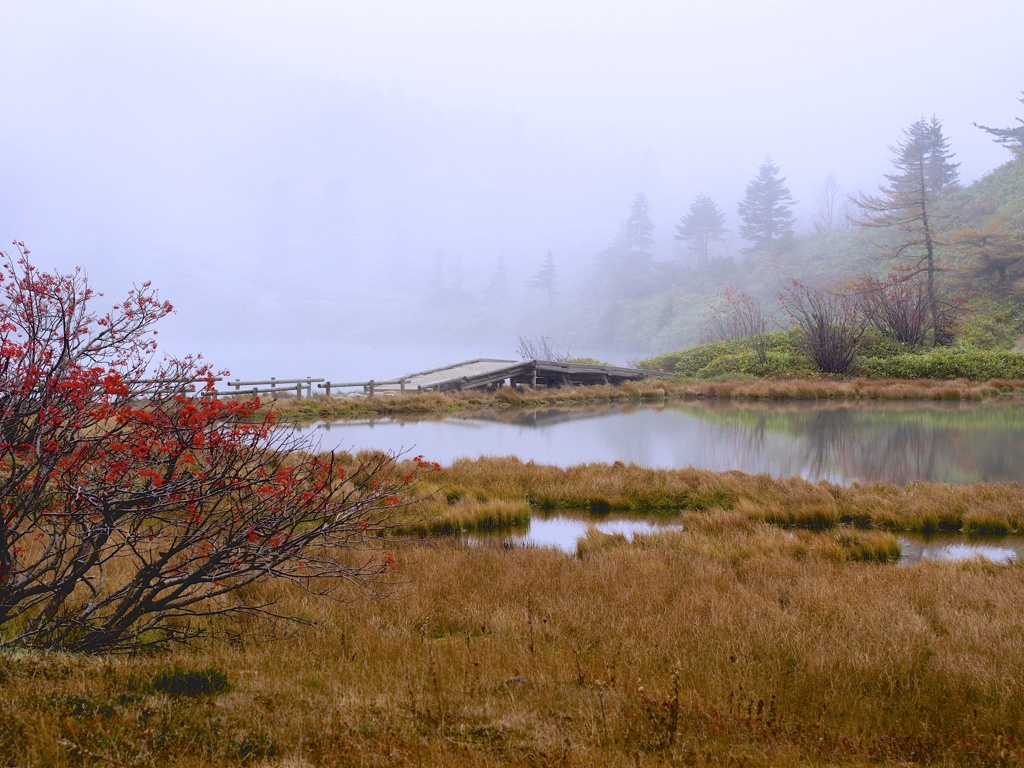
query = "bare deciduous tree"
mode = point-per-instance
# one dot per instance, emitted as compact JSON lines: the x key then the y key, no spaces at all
{"x":832,"y":212}
{"x":541,"y":348}
{"x":830,"y":322}
{"x":896,"y":306}
{"x":738,"y":315}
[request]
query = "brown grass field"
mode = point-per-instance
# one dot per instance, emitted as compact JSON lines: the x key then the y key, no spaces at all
{"x":774,"y":629}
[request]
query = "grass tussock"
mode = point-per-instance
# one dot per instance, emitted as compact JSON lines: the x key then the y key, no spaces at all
{"x":597,"y":540}
{"x":389,"y":404}
{"x":468,"y":516}
{"x":730,"y":641}
{"x":597,"y":488}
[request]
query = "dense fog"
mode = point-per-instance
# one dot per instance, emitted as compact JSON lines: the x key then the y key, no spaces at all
{"x":351,"y":190}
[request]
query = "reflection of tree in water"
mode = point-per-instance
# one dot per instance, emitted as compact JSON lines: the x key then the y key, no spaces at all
{"x":900,"y":450}
{"x":861,"y":445}
{"x":828,"y":436}
{"x":837,"y":445}
{"x":549,"y":416}
{"x":897,"y":443}
{"x":744,"y":442}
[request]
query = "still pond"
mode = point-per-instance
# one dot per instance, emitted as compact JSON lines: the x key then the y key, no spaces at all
{"x":839,"y":442}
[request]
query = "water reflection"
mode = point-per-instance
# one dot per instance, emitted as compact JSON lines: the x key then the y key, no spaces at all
{"x":564,"y":532}
{"x":844,"y":442}
{"x":1003,"y":549}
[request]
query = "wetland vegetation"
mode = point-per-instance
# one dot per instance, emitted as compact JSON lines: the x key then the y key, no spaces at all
{"x":733,"y":640}
{"x":768,"y":626}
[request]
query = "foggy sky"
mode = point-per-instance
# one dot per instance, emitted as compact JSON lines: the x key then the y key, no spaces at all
{"x":288,"y":173}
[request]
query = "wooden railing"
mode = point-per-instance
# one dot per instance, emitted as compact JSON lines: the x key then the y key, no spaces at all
{"x":273,"y":386}
{"x":368,"y":386}
{"x":146,"y":388}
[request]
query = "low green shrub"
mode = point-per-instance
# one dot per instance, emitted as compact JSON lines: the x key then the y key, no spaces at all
{"x":874,"y":344}
{"x":959,"y":362}
{"x":789,"y":362}
{"x":735,"y":358}
{"x":690,"y":361}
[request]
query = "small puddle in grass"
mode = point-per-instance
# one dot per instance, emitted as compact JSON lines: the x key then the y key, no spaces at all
{"x":564,"y":532}
{"x":998,"y":549}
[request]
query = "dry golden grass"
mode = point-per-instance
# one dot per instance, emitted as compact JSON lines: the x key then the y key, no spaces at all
{"x":772,"y":629}
{"x":469,"y":485}
{"x":293,"y":409}
{"x":731,"y":642}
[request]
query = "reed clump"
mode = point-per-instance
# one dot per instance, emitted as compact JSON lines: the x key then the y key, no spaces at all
{"x":596,"y":540}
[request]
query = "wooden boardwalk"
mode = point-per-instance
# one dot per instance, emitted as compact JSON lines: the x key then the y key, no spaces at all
{"x":485,"y":372}
{"x":471,"y":374}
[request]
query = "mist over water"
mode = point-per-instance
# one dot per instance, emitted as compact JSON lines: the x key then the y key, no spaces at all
{"x":316,"y":183}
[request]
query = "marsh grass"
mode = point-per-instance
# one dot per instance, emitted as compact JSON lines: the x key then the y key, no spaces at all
{"x":457,"y":517}
{"x":485,"y":485}
{"x":769,"y":628}
{"x":731,"y":641}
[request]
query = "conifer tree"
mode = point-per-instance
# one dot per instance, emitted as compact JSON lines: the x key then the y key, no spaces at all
{"x":922,"y":171}
{"x":1011,"y":138}
{"x":638,"y":232}
{"x":497,"y":288}
{"x":703,"y":225}
{"x":546,"y":277}
{"x":626,"y":266}
{"x":765,"y":210}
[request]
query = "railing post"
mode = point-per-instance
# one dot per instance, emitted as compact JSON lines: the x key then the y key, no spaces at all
{"x":327,"y":388}
{"x":401,"y":385}
{"x":371,"y":387}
